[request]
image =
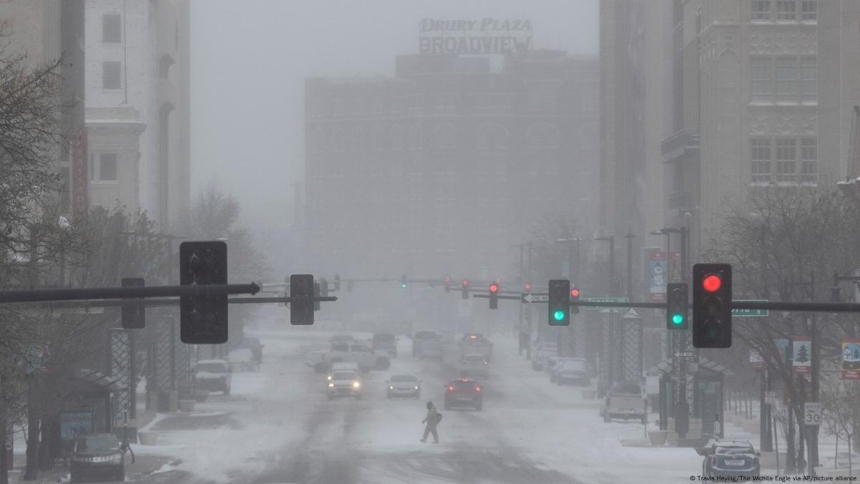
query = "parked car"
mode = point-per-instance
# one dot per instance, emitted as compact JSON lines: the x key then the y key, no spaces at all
{"x":730,"y":459}
{"x":570,"y":370}
{"x":624,"y":401}
{"x":419,"y":338}
{"x":543,"y":354}
{"x":345,"y":384}
{"x":430,"y":349}
{"x":242,"y":359}
{"x":213,"y":375}
{"x":384,"y":344}
{"x":476,"y":343}
{"x":97,"y":456}
{"x":255,"y":346}
{"x":464,"y":392}
{"x":474,"y":365}
{"x":404,"y":386}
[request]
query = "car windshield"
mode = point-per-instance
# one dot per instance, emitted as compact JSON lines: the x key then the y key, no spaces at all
{"x":97,"y":442}
{"x":343,"y":375}
{"x":460,"y":385}
{"x":403,"y":379}
{"x":735,"y":450}
{"x":211,"y":367}
{"x":445,"y":189}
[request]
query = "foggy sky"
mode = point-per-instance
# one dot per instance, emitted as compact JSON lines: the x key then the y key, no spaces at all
{"x":249,"y":60}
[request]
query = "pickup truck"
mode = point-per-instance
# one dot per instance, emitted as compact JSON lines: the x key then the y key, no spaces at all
{"x":624,"y":401}
{"x":359,"y":353}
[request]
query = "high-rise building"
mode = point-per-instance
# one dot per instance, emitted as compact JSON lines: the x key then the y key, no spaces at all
{"x":137,"y":106}
{"x":441,"y":168}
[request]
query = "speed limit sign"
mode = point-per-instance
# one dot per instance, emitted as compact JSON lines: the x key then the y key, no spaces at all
{"x":812,"y":413}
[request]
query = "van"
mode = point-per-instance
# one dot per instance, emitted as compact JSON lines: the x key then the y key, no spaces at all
{"x":343,"y":366}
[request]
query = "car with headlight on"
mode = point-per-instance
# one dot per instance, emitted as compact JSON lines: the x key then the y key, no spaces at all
{"x":403,"y":386}
{"x":345,"y":383}
{"x":97,"y":456}
{"x":213,"y":375}
{"x":733,"y":460}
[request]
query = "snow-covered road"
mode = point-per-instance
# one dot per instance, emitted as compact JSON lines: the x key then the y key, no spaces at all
{"x":277,"y":426}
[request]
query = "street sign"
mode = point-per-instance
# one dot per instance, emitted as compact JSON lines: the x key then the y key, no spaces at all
{"x":748,"y":313}
{"x":603,"y":299}
{"x":533,"y":298}
{"x":770,"y":397}
{"x":812,"y":413}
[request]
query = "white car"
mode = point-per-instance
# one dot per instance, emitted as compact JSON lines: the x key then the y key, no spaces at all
{"x":345,"y":383}
{"x":213,"y":375}
{"x":242,"y":359}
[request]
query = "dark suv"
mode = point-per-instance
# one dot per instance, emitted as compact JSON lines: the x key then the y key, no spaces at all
{"x":732,"y":459}
{"x":385,"y":342}
{"x":464,"y":392}
{"x":97,"y":456}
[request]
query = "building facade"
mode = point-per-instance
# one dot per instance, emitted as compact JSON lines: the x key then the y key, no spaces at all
{"x":763,"y":93}
{"x":46,"y":30}
{"x":138,"y":107}
{"x":440,"y":169}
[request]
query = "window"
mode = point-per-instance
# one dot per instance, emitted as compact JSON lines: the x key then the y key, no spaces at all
{"x":760,"y":148}
{"x":106,"y":168}
{"x":786,"y":10}
{"x":809,"y":10}
{"x":786,"y":75}
{"x":784,"y":80}
{"x":761,"y":9}
{"x":762,"y":82}
{"x":808,"y":79}
{"x":808,"y":160}
{"x":111,"y":75}
{"x":111,"y":28}
{"x":786,"y":159}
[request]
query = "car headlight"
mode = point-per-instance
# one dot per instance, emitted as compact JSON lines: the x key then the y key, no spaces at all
{"x":416,"y":387}
{"x":391,"y":388}
{"x":116,"y":458}
{"x":329,"y":378}
{"x":356,"y":384}
{"x":331,"y":385}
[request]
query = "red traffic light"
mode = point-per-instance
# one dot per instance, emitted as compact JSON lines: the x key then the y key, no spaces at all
{"x":527,"y":286}
{"x":464,"y":283}
{"x":712,"y":283}
{"x":494,"y":288}
{"x":447,"y":280}
{"x":574,"y":292}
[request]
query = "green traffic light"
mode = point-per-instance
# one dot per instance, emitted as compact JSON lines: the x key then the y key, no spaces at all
{"x":403,"y":285}
{"x":558,"y":315}
{"x":677,"y":319}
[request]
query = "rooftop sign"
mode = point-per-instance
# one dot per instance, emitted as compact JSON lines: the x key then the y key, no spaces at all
{"x":484,"y":36}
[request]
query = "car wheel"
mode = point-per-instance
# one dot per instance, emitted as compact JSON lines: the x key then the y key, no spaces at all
{"x":358,"y":397}
{"x":331,"y":397}
{"x":479,"y":407}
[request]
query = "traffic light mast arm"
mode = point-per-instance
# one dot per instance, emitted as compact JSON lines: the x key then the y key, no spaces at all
{"x":40,"y":295}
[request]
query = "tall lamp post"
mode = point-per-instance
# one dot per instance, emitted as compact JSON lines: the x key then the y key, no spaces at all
{"x":608,"y":366}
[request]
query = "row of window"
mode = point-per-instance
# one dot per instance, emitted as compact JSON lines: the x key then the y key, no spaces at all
{"x":784,"y":79}
{"x":784,"y":159}
{"x":489,"y":138}
{"x":784,"y":10}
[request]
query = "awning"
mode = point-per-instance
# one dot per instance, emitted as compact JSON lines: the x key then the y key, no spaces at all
{"x":666,"y":366}
{"x":95,"y":378}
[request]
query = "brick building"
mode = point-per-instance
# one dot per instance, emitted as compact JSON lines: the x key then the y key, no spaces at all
{"x":440,"y":169}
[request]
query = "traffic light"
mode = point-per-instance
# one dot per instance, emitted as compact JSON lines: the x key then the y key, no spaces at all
{"x":464,"y":286}
{"x":676,"y":306}
{"x":203,"y":319}
{"x":301,"y":299}
{"x":133,"y":314}
{"x":403,"y":281}
{"x":712,"y":306}
{"x":559,"y":302}
{"x":494,"y":296}
{"x":574,"y":297}
{"x":527,"y":287}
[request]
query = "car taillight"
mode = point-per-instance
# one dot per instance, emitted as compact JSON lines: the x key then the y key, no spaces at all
{"x":477,"y":389}
{"x":450,"y":388}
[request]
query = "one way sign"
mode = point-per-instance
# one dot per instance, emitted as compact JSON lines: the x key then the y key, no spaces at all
{"x":533,"y":298}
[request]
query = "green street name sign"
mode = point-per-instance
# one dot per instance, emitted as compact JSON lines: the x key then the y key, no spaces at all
{"x":603,"y":299}
{"x":749,"y":313}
